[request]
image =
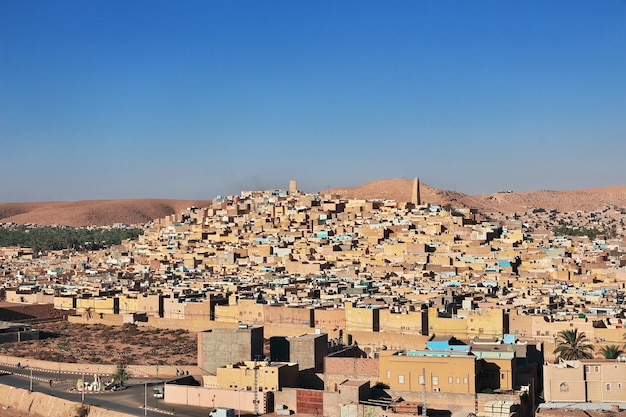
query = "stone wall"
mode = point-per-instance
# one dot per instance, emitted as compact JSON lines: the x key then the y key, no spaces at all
{"x":13,"y":337}
{"x":96,"y":318}
{"x":47,"y":405}
{"x":454,"y":402}
{"x":77,"y":368}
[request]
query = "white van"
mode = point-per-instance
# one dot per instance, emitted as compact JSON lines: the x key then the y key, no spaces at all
{"x":222,"y":412}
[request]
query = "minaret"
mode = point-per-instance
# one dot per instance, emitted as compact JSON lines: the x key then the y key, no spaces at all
{"x":415,"y":197}
{"x":293,"y":187}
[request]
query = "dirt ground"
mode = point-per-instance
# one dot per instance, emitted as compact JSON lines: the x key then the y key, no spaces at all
{"x":10,"y":412}
{"x":100,"y":344}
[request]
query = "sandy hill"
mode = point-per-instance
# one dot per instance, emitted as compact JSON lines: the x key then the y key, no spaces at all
{"x":399,"y":189}
{"x":588,"y":199}
{"x":93,"y":212}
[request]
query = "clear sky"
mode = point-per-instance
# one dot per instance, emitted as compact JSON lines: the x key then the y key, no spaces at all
{"x":191,"y":99}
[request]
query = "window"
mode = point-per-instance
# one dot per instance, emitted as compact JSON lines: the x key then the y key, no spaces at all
{"x":465,"y":380}
{"x":597,"y":368}
{"x":564,"y":387}
{"x":388,"y":374}
{"x":458,"y":380}
{"x":420,"y":380}
{"x":400,"y":379}
{"x":449,"y":380}
{"x":608,"y":387}
{"x":587,"y":368}
{"x":435,"y":380}
{"x":619,"y":385}
{"x":501,"y":376}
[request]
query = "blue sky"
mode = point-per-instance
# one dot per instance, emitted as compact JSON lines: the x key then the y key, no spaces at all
{"x":165,"y":99}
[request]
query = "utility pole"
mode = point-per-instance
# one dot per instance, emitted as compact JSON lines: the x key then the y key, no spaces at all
{"x":256,"y":388}
{"x":157,"y":386}
{"x":59,"y":376}
{"x":424,"y":410}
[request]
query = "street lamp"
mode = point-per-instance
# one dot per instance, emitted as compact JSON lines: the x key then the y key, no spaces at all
{"x":82,"y":391}
{"x":145,"y":398}
{"x":157,"y":386}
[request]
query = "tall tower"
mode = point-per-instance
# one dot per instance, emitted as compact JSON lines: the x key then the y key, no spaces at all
{"x":293,"y":187}
{"x":415,"y":197}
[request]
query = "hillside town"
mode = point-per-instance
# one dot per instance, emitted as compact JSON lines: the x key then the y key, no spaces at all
{"x":317,"y":304}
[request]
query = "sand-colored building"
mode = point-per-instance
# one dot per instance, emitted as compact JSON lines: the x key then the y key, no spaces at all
{"x":266,"y":376}
{"x":590,"y":380}
{"x":452,"y":372}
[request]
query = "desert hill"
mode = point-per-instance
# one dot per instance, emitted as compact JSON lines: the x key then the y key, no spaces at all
{"x":93,"y":212}
{"x":589,"y":199}
{"x":399,"y":189}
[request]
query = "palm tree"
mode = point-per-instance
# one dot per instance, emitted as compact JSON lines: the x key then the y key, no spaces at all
{"x":571,"y":345}
{"x":611,"y":352}
{"x":121,"y":375}
{"x":88,"y":312}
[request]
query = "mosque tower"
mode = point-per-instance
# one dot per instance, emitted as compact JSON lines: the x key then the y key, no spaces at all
{"x":415,"y":197}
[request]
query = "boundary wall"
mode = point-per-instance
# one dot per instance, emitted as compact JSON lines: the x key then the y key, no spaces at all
{"x":138,"y":371}
{"x":47,"y":405}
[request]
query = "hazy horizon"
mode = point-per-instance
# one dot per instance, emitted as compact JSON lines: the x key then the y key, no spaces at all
{"x":124,"y":100}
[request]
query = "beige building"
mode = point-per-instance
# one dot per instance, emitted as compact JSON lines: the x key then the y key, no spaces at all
{"x":591,"y":380}
{"x":269,"y":376}
{"x":449,"y":372}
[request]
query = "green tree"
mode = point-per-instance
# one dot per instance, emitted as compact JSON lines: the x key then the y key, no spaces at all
{"x":121,"y":374}
{"x":571,"y":345}
{"x":611,"y":352}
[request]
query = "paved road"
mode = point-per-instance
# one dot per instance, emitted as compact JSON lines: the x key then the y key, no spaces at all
{"x":130,"y":400}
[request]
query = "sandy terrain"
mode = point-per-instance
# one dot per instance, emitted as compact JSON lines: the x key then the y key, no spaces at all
{"x":564,"y":201}
{"x":10,"y":412}
{"x":93,"y":212}
{"x":100,"y":344}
